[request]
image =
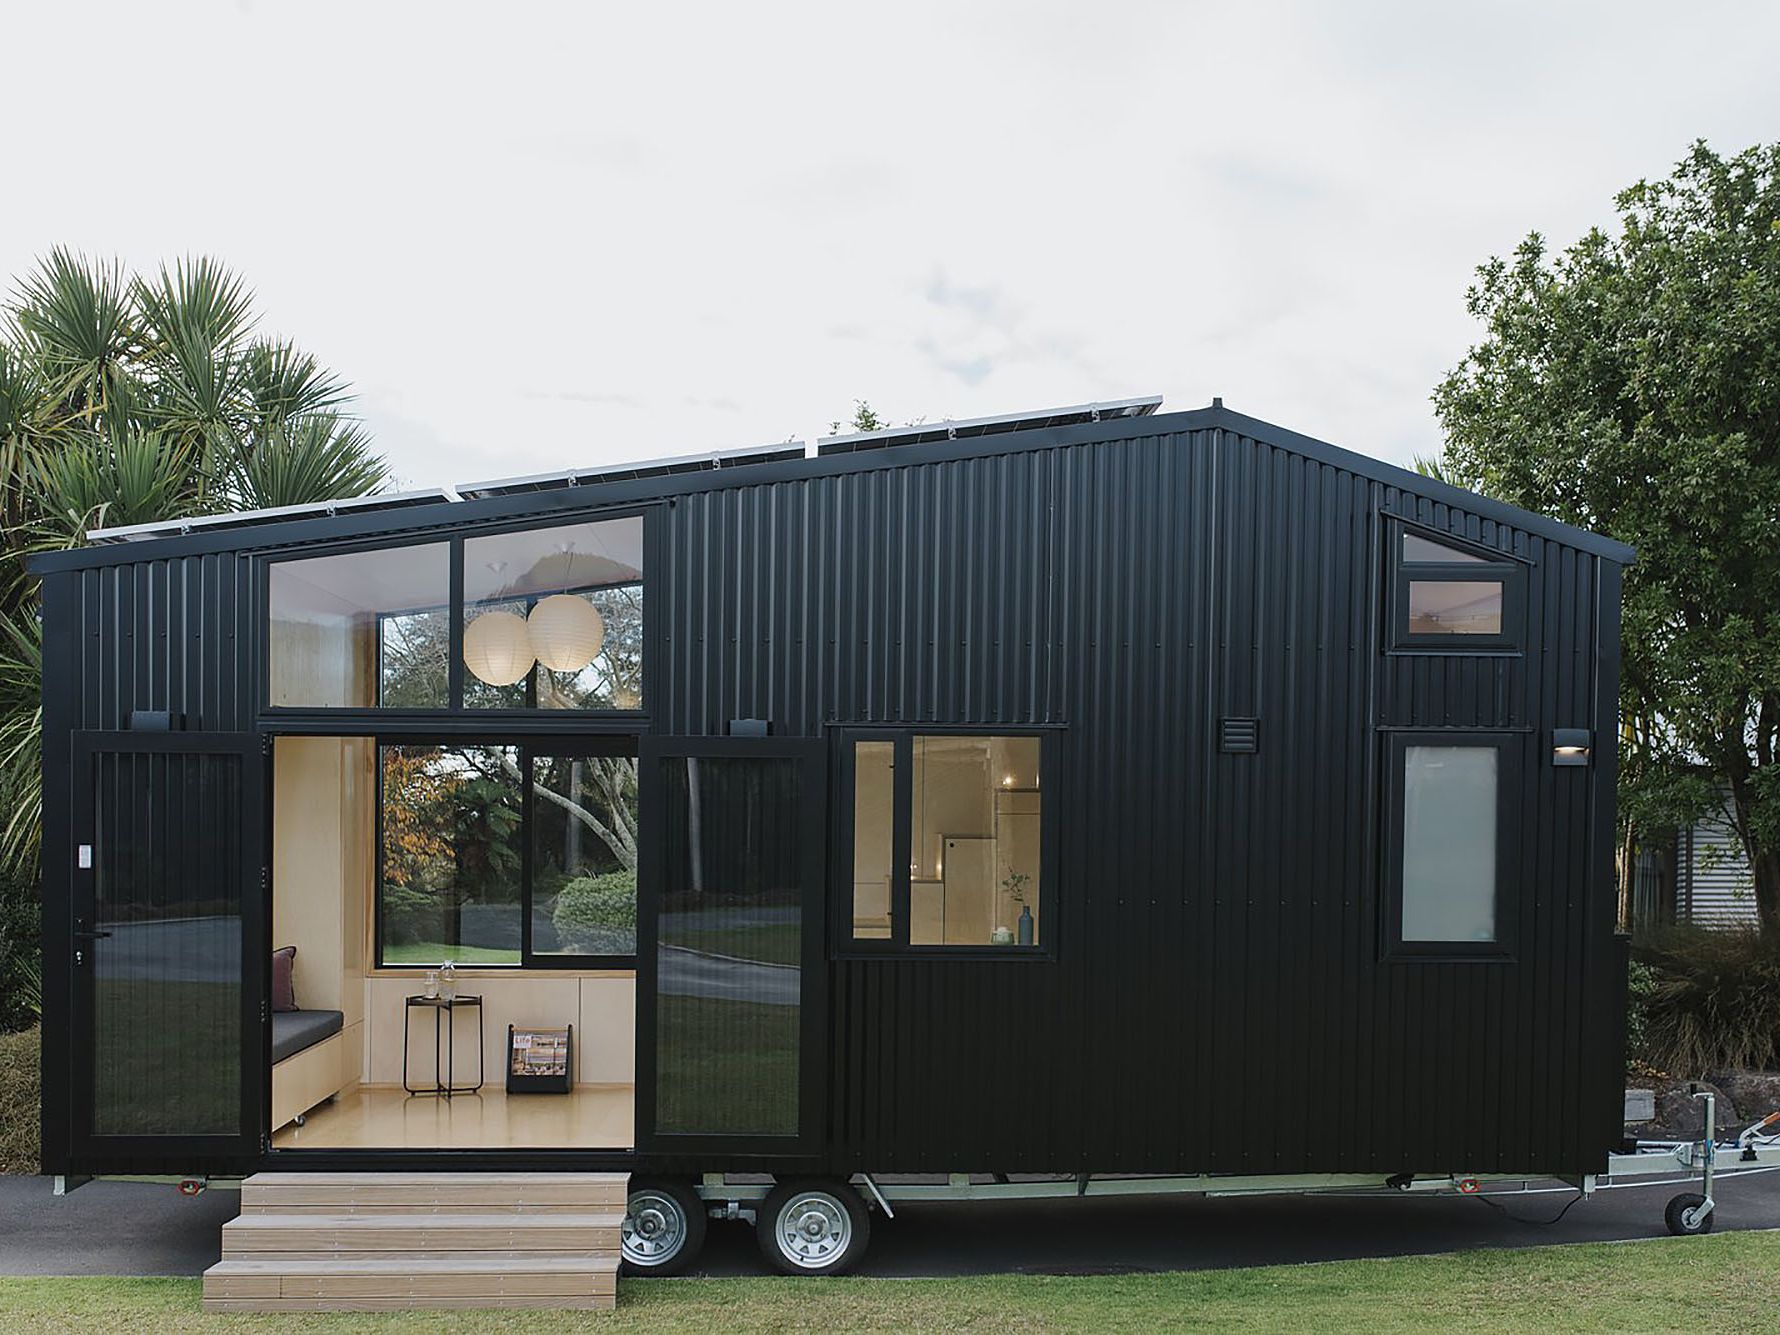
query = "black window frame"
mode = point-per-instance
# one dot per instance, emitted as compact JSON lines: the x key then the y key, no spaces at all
{"x":842,"y":941}
{"x":454,"y":712}
{"x":1510,"y":748}
{"x":1491,"y":566}
{"x":528,"y":747}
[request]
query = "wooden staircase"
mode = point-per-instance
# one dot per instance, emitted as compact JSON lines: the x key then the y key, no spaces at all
{"x":373,"y":1242}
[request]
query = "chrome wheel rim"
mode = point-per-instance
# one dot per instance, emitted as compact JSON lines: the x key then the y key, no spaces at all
{"x":654,"y":1229}
{"x":813,"y":1230}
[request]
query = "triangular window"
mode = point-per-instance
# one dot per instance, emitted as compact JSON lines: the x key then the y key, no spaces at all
{"x":1425,"y":551}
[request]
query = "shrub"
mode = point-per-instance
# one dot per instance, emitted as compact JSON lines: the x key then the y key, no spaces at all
{"x":1714,"y":1000}
{"x":20,"y":1097}
{"x":21,"y":976}
{"x":1640,"y":990}
{"x":411,"y":914}
{"x":597,"y":915}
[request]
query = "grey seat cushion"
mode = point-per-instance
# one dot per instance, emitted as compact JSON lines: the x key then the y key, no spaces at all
{"x":292,"y":1031}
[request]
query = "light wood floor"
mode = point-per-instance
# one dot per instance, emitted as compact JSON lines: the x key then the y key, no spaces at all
{"x":592,"y":1117}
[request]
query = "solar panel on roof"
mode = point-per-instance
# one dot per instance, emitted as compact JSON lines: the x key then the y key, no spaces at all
{"x":172,"y":528}
{"x":644,"y":468}
{"x":625,"y":472}
{"x":963,"y":429}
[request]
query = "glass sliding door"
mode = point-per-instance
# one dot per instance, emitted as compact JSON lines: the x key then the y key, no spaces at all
{"x":729,"y":976}
{"x":168,"y":934}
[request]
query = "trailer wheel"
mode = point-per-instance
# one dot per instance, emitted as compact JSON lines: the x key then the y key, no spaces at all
{"x":1682,"y":1221}
{"x":664,"y":1228}
{"x":813,"y":1227}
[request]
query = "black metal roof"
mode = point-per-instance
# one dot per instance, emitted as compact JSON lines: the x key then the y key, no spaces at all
{"x":639,"y":484}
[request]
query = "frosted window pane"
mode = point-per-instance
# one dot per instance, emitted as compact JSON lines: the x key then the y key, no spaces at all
{"x":1449,"y":843}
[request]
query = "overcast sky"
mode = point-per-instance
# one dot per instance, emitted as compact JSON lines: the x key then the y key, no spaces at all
{"x":541,"y":236}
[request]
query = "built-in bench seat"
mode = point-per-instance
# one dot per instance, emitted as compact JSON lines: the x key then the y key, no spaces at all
{"x":292,"y":1031}
{"x":309,"y":1062}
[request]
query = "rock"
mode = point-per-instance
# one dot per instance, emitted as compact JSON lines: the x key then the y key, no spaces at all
{"x":1683,"y":1116}
{"x":1757,"y":1093}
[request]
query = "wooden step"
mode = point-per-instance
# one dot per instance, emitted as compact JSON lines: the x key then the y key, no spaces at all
{"x":507,"y":1254}
{"x":375,"y":1242}
{"x":323,"y":1234}
{"x":341,"y":1193}
{"x":403,"y":1282}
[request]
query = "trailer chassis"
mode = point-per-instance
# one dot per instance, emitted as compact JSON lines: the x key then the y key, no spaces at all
{"x":1641,"y":1164}
{"x":821,"y":1225}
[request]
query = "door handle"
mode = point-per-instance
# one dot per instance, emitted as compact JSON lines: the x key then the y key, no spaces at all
{"x":90,"y":936}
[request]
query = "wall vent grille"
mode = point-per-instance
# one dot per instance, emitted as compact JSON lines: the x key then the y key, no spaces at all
{"x":1239,"y":736}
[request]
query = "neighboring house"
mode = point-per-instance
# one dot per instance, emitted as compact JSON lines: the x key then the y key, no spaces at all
{"x":1703,"y":878}
{"x":1713,"y":885}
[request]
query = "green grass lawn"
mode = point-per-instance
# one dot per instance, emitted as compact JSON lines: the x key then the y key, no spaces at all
{"x":432,"y":952}
{"x":1725,"y":1283}
{"x":168,"y":1058}
{"x":776,"y":943}
{"x":726,"y":1066}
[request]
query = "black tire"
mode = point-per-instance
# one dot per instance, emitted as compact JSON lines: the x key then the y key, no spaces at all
{"x":664,"y":1227}
{"x":816,"y":1226}
{"x":1687,"y":1200}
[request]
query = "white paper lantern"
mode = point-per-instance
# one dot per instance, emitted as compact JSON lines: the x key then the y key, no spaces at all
{"x":497,"y":648}
{"x":566,"y":632}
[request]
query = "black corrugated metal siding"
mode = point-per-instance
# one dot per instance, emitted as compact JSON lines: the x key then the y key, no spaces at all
{"x":1218,"y":1001}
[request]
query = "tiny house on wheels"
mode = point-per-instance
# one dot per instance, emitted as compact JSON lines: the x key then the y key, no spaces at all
{"x":1095,"y":800}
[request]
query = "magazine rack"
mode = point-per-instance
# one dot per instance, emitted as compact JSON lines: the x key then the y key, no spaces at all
{"x":540,"y":1061}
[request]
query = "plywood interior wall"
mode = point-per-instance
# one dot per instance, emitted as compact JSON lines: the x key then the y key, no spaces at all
{"x":325,"y":663}
{"x":323,"y":877}
{"x":601,"y":1007}
{"x":322,"y":791}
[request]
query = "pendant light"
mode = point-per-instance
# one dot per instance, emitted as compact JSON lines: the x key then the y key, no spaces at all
{"x":498,"y":649}
{"x":566,"y":631}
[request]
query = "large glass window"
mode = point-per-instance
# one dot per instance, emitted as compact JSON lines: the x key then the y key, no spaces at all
{"x":729,"y":979}
{"x":1452,"y":600}
{"x":168,"y":882}
{"x":553,"y":617}
{"x":506,"y":855}
{"x":1448,"y":809}
{"x":452,"y":855}
{"x":957,"y":858}
{"x":550,"y":618}
{"x":361,"y":629}
{"x":584,"y":854}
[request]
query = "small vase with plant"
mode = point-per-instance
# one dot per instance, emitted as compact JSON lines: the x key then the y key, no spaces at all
{"x":1014,"y":885}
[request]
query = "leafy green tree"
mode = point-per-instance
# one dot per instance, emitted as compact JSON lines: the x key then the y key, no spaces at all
{"x":863,"y":419}
{"x":129,"y":398}
{"x":867,"y":418}
{"x":1631,"y":384}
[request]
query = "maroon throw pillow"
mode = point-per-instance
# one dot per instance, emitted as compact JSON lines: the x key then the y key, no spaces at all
{"x":284,"y":994}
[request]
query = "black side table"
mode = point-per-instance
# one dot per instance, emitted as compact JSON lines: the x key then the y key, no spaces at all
{"x":444,"y":1063}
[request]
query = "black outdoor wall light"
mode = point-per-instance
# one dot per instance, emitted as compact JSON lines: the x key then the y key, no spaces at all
{"x":1569,"y":746}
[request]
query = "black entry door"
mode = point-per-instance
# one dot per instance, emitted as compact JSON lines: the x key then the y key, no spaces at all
{"x":169,"y":1057}
{"x":730,"y":945}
